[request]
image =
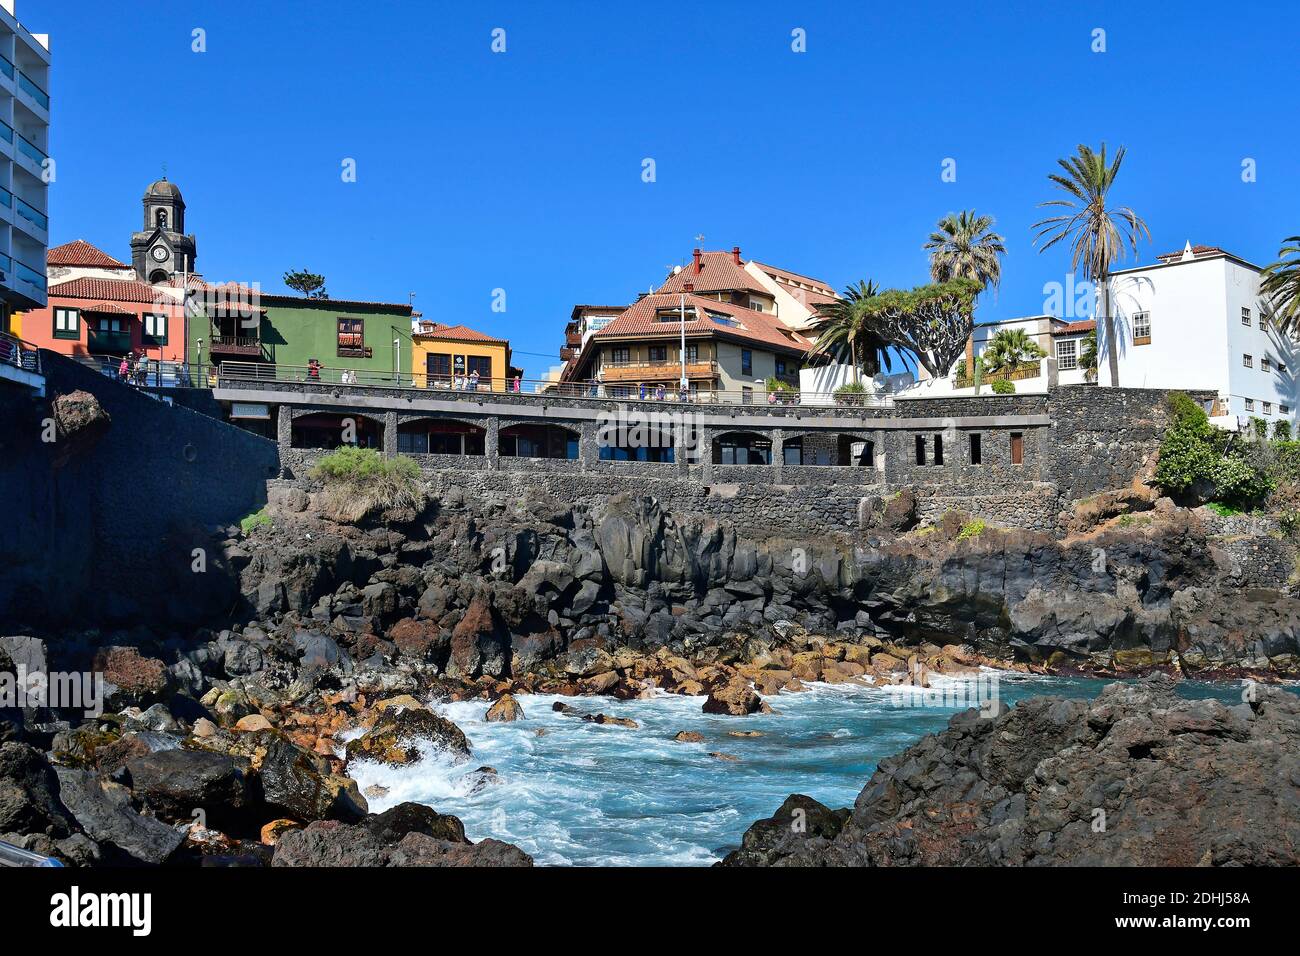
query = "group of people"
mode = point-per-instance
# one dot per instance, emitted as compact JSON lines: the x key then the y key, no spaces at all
{"x":134,"y":368}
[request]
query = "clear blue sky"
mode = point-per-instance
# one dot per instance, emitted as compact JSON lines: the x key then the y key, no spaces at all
{"x":522,"y":170}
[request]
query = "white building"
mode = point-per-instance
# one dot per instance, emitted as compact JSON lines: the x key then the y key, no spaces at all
{"x":1194,"y":321}
{"x":24,"y":165}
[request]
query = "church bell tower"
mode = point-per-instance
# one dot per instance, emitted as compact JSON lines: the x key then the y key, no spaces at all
{"x":162,"y":249}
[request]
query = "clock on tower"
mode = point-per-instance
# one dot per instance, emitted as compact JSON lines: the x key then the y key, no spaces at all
{"x":162,"y":248}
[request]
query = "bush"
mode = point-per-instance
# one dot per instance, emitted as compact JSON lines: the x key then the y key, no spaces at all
{"x":1188,"y":456}
{"x":1238,"y":482}
{"x":971,"y":529}
{"x":360,"y":481}
{"x":852,"y":393}
{"x":258,"y":519}
{"x":1282,"y":431}
{"x":1001,"y":386}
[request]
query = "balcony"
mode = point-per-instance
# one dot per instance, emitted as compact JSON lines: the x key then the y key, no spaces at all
{"x":656,"y":371}
{"x":1026,"y":370}
{"x":27,"y":211}
{"x":235,"y":345}
{"x":29,"y":87}
{"x":30,"y":150}
{"x":108,"y":342}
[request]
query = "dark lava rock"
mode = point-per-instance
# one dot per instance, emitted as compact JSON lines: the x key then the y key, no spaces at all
{"x":104,"y":811}
{"x":175,"y":783}
{"x":800,"y":829}
{"x":397,"y":736}
{"x":29,"y":793}
{"x":407,"y":835}
{"x":299,"y":783}
{"x":80,"y":422}
{"x":1137,"y":777}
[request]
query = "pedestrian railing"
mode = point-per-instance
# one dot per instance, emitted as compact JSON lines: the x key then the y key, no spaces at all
{"x":151,"y":373}
{"x":248,"y":374}
{"x":14,"y":351}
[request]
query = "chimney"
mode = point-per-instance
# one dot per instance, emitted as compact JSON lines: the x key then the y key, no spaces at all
{"x":735,"y":254}
{"x":699,"y":265}
{"x":688,"y":288}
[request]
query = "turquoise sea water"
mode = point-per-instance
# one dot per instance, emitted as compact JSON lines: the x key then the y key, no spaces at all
{"x":586,"y":794}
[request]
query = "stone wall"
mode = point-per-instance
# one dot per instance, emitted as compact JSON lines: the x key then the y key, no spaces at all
{"x":109,"y":534}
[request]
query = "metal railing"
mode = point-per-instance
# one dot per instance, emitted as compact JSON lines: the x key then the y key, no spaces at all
{"x":30,"y":213}
{"x":33,"y":151}
{"x":24,"y":355}
{"x":151,"y":373}
{"x":28,"y":86}
{"x":28,"y":274}
{"x":231,"y":374}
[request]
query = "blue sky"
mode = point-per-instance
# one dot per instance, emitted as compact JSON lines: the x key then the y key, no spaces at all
{"x":522,"y":170}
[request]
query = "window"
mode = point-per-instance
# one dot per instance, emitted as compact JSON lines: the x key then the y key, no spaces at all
{"x":692,"y":353}
{"x":352,"y":337}
{"x":1250,"y":404}
{"x":746,"y":362}
{"x":1281,"y":367}
{"x":975,"y":451}
{"x":1017,"y":448}
{"x":1263,"y":363}
{"x":920,"y":449}
{"x":1067,"y":355}
{"x":1267,"y":408}
{"x":161,"y":219}
{"x":756,"y":305}
{"x":1142,"y":328}
{"x":780,"y":366}
{"x":746,"y":395}
{"x":437,"y":365}
{"x":1245,"y":316}
{"x":1284,"y":409}
{"x":620,"y":356}
{"x":938,"y":449}
{"x":792,"y":453}
{"x":658,"y":353}
{"x":1248,"y":361}
{"x":67,"y":324}
{"x":155,"y":328}
{"x":481,"y":364}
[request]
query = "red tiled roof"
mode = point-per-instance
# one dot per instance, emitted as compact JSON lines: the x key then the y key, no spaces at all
{"x":107,"y":308}
{"x":718,"y":273}
{"x":459,"y":333}
{"x":1196,"y":251}
{"x":1074,"y":328}
{"x":795,"y":277}
{"x":640,"y":321}
{"x":110,"y":290}
{"x":81,"y":253}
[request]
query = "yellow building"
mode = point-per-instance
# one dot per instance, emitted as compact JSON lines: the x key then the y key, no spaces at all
{"x":455,"y":356}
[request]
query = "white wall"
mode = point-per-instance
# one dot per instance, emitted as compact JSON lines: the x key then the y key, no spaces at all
{"x":1197,"y":337}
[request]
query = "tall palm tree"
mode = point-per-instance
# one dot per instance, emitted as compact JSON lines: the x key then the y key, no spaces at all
{"x":964,"y":246}
{"x":1009,"y":349}
{"x":846,"y":326}
{"x":1281,"y":284}
{"x":1098,"y":234}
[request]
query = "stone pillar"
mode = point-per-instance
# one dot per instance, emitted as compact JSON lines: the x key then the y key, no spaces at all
{"x":778,"y":452}
{"x":390,"y":434}
{"x":588,"y":446}
{"x":1053,"y":374}
{"x":491,"y":443}
{"x":705,"y":452}
{"x":284,"y":431}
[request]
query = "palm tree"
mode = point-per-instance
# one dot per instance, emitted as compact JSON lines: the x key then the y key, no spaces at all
{"x":963,"y":246}
{"x":1088,"y":356}
{"x":1009,"y":349}
{"x":1281,"y":284}
{"x":1098,"y":234}
{"x":845,"y":325}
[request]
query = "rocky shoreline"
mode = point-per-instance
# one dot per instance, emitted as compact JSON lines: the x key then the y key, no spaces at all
{"x":231,"y":746}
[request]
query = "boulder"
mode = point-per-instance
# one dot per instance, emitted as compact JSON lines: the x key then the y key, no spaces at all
{"x":480,"y":643}
{"x":79,"y":423}
{"x":688,"y":737}
{"x":29,"y":793}
{"x":505,"y":710}
{"x":103,"y":809}
{"x":400,"y":737}
{"x":735,"y":698}
{"x":175,"y":783}
{"x":800,"y":827}
{"x":300,"y":784}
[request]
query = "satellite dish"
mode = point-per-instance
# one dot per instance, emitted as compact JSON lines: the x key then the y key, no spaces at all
{"x":676,"y":269}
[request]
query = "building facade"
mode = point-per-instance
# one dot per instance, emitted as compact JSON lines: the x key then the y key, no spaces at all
{"x":1195,"y":320}
{"x":25,"y":166}
{"x":455,"y":356}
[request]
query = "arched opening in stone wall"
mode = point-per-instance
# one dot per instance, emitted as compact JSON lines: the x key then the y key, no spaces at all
{"x":440,"y":436}
{"x":828,"y":448}
{"x":329,"y":430}
{"x":742,"y":448}
{"x":538,"y":441}
{"x":636,"y":440}
{"x":855,"y":450}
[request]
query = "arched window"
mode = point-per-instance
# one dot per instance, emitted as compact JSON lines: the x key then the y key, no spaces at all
{"x":161,"y":219}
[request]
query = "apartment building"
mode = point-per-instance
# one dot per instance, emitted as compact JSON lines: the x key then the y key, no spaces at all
{"x":24,"y":166}
{"x":1194,"y":320}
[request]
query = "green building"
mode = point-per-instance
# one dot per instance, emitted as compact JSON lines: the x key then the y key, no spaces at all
{"x":277,"y":336}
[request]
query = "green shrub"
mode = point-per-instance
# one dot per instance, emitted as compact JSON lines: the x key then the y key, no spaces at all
{"x":360,"y":481}
{"x":1282,"y":431}
{"x":1188,"y":455}
{"x":1238,"y":482}
{"x":1001,"y":386}
{"x":971,"y":529}
{"x":1224,"y":511}
{"x":258,"y":519}
{"x":851,"y":393}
